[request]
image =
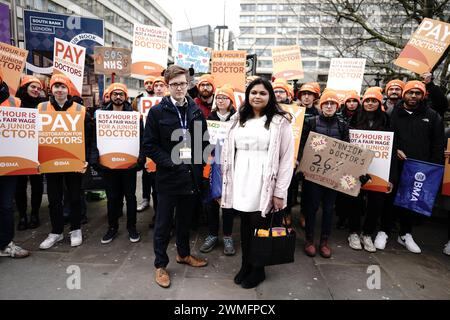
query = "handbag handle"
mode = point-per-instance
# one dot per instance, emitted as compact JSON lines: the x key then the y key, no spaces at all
{"x":273,"y":212}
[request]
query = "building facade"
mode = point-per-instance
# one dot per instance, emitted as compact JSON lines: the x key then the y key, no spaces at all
{"x":200,"y":36}
{"x":118,"y":15}
{"x":310,"y":24}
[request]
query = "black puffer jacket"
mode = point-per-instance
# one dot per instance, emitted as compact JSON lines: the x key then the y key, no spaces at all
{"x":419,"y":135}
{"x":162,"y":120}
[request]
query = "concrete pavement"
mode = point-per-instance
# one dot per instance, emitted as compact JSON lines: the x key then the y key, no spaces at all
{"x":123,"y":270}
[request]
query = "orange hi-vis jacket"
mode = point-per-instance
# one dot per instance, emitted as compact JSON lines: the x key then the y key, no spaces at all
{"x":11,"y":102}
{"x":47,"y":106}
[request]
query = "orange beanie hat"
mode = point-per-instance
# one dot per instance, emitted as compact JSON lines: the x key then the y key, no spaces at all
{"x":206,"y":78}
{"x":313,"y":87}
{"x":352,"y":95}
{"x":30,"y":79}
{"x":226,"y":90}
{"x":375,"y":93}
{"x":329,"y":95}
{"x":118,"y":87}
{"x":149,"y":79}
{"x":395,"y":82}
{"x":414,"y":85}
{"x":159,"y":79}
{"x":281,"y":84}
{"x":60,"y":78}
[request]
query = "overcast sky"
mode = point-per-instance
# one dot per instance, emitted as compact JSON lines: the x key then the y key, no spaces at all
{"x":201,"y":12}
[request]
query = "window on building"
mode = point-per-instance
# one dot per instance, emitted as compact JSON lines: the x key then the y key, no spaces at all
{"x":265,"y":30}
{"x":247,"y":30}
{"x":264,"y":63}
{"x":286,"y":41}
{"x":267,"y":7}
{"x":265,"y":41}
{"x":309,"y":64}
{"x":246,"y":19}
{"x":324,"y":64}
{"x":266,"y":19}
{"x":248,"y":7}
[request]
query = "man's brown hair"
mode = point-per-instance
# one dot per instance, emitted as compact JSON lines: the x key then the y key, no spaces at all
{"x":174,"y":71}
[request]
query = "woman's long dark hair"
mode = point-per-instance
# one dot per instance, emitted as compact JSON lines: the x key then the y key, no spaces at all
{"x":272,"y":108}
{"x":361,"y":118}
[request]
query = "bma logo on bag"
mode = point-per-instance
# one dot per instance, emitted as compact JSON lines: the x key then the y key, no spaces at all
{"x":419,"y":177}
{"x":418,"y":186}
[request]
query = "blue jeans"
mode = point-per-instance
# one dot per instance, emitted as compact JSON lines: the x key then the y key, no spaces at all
{"x":7,"y":191}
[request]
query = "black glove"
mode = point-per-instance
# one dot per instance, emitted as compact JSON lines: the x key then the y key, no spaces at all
{"x":364,"y":179}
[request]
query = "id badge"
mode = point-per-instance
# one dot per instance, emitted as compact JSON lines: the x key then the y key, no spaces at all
{"x":185,"y":153}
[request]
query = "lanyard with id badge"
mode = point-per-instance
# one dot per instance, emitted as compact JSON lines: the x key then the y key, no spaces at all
{"x":185,"y":152}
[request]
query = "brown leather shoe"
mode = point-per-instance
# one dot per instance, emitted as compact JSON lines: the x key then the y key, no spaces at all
{"x":162,"y":277}
{"x":310,"y":249}
{"x":192,"y":261}
{"x":324,"y":249}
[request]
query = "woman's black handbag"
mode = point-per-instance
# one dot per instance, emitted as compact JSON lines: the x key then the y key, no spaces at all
{"x":271,"y":250}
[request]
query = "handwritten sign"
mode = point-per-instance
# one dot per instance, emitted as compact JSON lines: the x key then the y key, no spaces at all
{"x":335,"y":164}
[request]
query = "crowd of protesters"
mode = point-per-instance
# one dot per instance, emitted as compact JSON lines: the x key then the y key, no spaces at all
{"x":254,"y":161}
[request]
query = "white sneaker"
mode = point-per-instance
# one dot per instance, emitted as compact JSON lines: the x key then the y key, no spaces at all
{"x":447,"y":248}
{"x":408,"y":241}
{"x":51,"y":240}
{"x":14,"y":251}
{"x":143,"y":205}
{"x":75,"y":238}
{"x":354,"y":242}
{"x":368,"y":244}
{"x":380,"y":240}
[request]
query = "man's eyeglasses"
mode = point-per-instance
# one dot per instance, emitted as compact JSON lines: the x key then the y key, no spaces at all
{"x":175,"y":85}
{"x":118,"y":94}
{"x":206,"y":86}
{"x":279,"y":91}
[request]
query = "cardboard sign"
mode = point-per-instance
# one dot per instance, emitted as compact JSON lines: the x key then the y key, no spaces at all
{"x":68,"y":58}
{"x":118,"y":135}
{"x":18,"y":141}
{"x":61,"y":141}
{"x":12,"y":62}
{"x":298,"y":117}
{"x":112,"y":60}
{"x":425,"y":47}
{"x":287,"y":62}
{"x":229,"y":67}
{"x":446,"y":180}
{"x":380,"y":143}
{"x":190,"y":55}
{"x":150,"y":50}
{"x":334,"y":164}
{"x":346,"y":74}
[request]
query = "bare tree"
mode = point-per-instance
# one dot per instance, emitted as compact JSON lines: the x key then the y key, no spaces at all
{"x":378,"y":30}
